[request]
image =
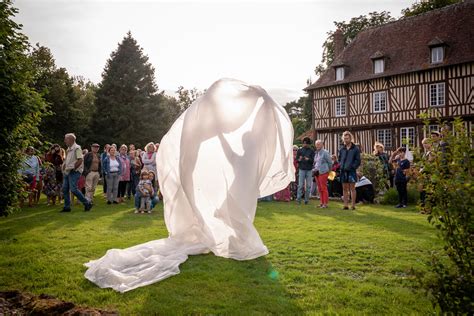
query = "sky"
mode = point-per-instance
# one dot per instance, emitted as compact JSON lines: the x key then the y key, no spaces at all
{"x":274,"y":44}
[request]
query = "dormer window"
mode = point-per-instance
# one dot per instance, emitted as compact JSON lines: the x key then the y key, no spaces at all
{"x":339,"y":73}
{"x":379,"y":66}
{"x":437,"y":50}
{"x":437,"y":54}
{"x":378,"y":60}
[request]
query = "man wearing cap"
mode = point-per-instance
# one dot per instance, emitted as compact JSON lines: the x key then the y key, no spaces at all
{"x":72,"y":168}
{"x":92,"y":168}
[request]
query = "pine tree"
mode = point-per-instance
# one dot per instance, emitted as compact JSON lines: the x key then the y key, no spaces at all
{"x":129,"y":108}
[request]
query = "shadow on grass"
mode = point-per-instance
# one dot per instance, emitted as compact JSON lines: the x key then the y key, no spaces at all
{"x":50,"y":219}
{"x":211,"y":285}
{"x":366,"y":215}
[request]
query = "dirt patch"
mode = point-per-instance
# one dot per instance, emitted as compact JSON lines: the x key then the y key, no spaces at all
{"x":17,"y":303}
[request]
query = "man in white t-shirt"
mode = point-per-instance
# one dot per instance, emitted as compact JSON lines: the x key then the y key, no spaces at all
{"x":72,"y":170}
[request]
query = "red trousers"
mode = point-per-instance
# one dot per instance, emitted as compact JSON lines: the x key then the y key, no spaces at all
{"x":322,"y":181}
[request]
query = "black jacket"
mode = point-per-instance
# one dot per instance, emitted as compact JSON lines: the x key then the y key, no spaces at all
{"x":349,"y":158}
{"x":304,"y":164}
{"x":88,"y":163}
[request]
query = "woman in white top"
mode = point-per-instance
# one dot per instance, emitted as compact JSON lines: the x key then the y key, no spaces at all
{"x":149,"y":158}
{"x":112,"y":168}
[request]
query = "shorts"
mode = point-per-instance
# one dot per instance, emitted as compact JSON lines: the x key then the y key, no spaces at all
{"x":348,"y":176}
{"x":30,"y":180}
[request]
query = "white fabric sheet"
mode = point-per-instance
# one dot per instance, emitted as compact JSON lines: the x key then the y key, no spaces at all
{"x":232,"y":146}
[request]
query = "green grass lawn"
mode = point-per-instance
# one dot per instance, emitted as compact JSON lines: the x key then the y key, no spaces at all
{"x":321,"y":261}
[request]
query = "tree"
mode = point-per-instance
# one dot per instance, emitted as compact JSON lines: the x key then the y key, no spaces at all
{"x":187,"y":97}
{"x":70,"y":100}
{"x":128,"y":108}
{"x":425,"y":6}
{"x":21,"y":108}
{"x":300,"y":113}
{"x":350,"y":30}
{"x":84,"y":108}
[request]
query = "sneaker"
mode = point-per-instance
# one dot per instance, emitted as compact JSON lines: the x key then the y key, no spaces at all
{"x":65,"y":210}
{"x":136,"y":212}
{"x":149,"y":212}
{"x":108,"y":202}
{"x":345,"y":208}
{"x":353,"y":208}
{"x":88,"y":207}
{"x":404,"y":206}
{"x":115,"y":202}
{"x":399,"y":206}
{"x":305,"y":202}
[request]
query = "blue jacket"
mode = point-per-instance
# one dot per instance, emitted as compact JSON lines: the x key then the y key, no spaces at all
{"x":325,"y":162}
{"x":106,"y":165}
{"x":349,"y":158}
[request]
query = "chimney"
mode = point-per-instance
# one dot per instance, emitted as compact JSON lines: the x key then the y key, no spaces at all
{"x":338,"y":39}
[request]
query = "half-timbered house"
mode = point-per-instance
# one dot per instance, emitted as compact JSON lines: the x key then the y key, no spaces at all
{"x":379,"y":83}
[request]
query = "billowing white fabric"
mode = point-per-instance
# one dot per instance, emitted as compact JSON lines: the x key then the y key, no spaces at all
{"x":232,"y":146}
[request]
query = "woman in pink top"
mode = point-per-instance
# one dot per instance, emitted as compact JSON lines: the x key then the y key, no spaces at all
{"x":124,"y":179}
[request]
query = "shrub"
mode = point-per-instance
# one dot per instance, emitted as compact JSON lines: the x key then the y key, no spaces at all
{"x":447,"y":180}
{"x":391,"y":196}
{"x":372,"y":168}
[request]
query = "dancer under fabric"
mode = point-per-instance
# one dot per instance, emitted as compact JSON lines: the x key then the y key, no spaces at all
{"x":232,"y":146}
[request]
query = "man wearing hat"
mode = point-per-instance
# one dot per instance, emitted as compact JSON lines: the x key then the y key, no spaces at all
{"x":92,"y":168}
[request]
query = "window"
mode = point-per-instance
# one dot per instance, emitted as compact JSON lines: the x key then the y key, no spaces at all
{"x":430,"y":128}
{"x":433,"y":128}
{"x":339,"y":73}
{"x":380,"y":102}
{"x":437,"y":94}
{"x":379,"y":66}
{"x":407,"y":137}
{"x":437,"y":54}
{"x":340,"y":107}
{"x":384,"y":136}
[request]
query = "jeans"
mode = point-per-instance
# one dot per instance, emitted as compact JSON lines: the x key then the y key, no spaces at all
{"x":154,"y":200}
{"x":304,"y":176}
{"x":112,"y":186}
{"x":70,"y":184}
{"x":145,"y":202}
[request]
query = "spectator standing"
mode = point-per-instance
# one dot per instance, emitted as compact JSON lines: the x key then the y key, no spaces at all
{"x":102,"y":158}
{"x":30,"y":172}
{"x":72,"y":168}
{"x":149,"y":158}
{"x":124,"y":180}
{"x":379,"y":151}
{"x":305,"y":156}
{"x":92,"y":170}
{"x":335,"y":187}
{"x":135,"y":170}
{"x":112,"y":169}
{"x":349,"y":158}
{"x":321,"y":167}
{"x":401,"y":179}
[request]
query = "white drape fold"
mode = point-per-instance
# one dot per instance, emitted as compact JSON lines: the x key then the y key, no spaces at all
{"x":231,"y":146}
